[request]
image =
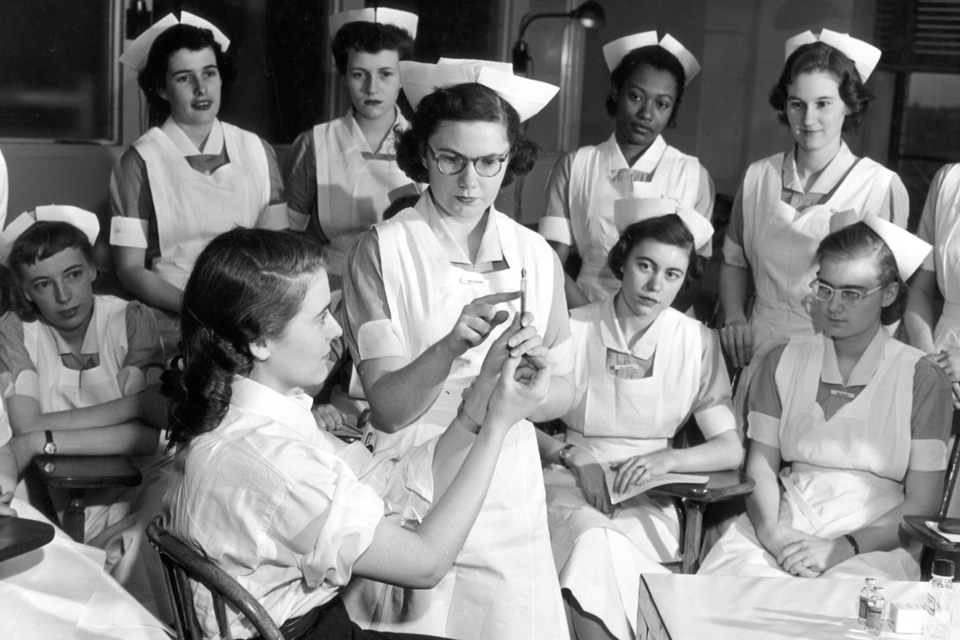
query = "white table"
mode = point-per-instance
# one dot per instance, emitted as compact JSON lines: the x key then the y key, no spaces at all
{"x":677,"y":607}
{"x":61,"y":591}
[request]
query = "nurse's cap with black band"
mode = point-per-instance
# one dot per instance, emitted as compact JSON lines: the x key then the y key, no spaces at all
{"x":400,"y":19}
{"x":644,"y":204}
{"x":908,"y":249}
{"x":614,"y":52}
{"x":136,"y":54}
{"x":527,"y":96}
{"x":86,"y":221}
{"x":865,"y":56}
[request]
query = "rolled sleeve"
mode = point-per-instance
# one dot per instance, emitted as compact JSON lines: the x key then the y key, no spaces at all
{"x":555,"y":223}
{"x":301,"y":179}
{"x":930,"y":418}
{"x":19,"y":370}
{"x":764,"y":408}
{"x":713,"y":407}
{"x":706,"y":197}
{"x":733,"y":241}
{"x":144,"y":346}
{"x":6,"y":431}
{"x":131,"y":202}
{"x":927,"y":231}
{"x":404,"y":482}
{"x":277,"y":194}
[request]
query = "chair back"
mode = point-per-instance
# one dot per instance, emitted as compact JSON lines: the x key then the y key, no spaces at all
{"x":953,"y":468}
{"x":182,"y":564}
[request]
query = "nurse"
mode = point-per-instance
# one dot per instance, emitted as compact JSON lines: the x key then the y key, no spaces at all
{"x":79,"y":372}
{"x":647,"y":81}
{"x":939,"y":225}
{"x":857,"y":420}
{"x":783,"y":207}
{"x":191,"y":176}
{"x":342,"y":175}
{"x":426,"y":294}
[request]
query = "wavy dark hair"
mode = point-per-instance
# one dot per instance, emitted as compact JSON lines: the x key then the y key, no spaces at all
{"x":667,"y":229}
{"x":246,"y":286}
{"x":860,"y":241}
{"x":655,"y":57}
{"x":369,"y":38}
{"x":470,"y":102}
{"x":817,"y":56}
{"x":42,"y":240}
{"x":153,"y":78}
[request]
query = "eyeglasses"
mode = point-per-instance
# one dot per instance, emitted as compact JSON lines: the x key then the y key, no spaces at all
{"x":852,"y":297}
{"x":450,"y":164}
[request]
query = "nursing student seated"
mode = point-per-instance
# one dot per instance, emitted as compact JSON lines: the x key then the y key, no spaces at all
{"x":76,"y":371}
{"x":641,"y":370}
{"x":859,"y":419}
{"x":286,"y":509}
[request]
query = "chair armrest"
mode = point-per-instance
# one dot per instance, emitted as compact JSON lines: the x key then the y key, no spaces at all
{"x":87,"y":472}
{"x":721,"y":486}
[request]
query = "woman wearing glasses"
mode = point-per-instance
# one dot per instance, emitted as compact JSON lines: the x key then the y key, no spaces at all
{"x":427,"y":294}
{"x":859,"y":419}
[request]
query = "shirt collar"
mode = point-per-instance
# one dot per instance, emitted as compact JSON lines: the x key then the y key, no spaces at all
{"x":292,"y":411}
{"x":491,"y":249}
{"x":183,"y":143}
{"x":387,"y":146}
{"x":613,"y":338}
{"x":828,"y":178}
{"x":91,"y":340}
{"x":865,"y":368}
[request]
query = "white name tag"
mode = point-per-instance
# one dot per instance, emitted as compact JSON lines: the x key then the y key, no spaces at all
{"x":842,"y":394}
{"x":625,"y":367}
{"x":473,"y":280}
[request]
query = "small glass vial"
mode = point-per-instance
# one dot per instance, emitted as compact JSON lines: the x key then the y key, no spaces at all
{"x":868,"y":587}
{"x":875,"y":605}
{"x":939,"y":602}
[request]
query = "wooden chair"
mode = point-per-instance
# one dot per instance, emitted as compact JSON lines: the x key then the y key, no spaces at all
{"x":915,"y":526}
{"x":692,"y":500}
{"x":77,"y":474}
{"x":182,"y":565}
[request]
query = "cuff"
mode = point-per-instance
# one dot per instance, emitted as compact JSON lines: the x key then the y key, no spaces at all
{"x":713,"y":421}
{"x":275,"y":217}
{"x":27,"y":384}
{"x":733,"y":254}
{"x":927,"y":455}
{"x":128,"y":232}
{"x":764,"y":429}
{"x":377,"y":339}
{"x":297,"y":221}
{"x":556,"y":229}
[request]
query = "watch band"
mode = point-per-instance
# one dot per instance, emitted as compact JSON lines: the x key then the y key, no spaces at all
{"x":853,"y":543}
{"x":564,"y":455}
{"x":50,"y":447}
{"x":466,"y":421}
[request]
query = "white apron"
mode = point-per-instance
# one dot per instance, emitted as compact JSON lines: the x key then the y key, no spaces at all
{"x":598,"y":177}
{"x":193,"y":208}
{"x":354,"y":184}
{"x":623,"y":418}
{"x":117,"y":518}
{"x":503,"y":583}
{"x":821,"y":497}
{"x":781,"y":244}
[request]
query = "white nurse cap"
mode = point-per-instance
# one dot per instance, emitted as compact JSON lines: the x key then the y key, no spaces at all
{"x":136,"y":54}
{"x":908,"y":249}
{"x":400,"y":19}
{"x":643,"y":204}
{"x":615,"y":51}
{"x":527,"y":96}
{"x":86,"y":221}
{"x":865,"y":56}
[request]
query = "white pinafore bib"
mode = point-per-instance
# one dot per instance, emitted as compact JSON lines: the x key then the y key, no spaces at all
{"x":354,"y":183}
{"x":946,"y":254}
{"x":62,"y":388}
{"x":781,"y":243}
{"x":598,"y":177}
{"x":193,"y":208}
{"x":503,"y":583}
{"x":833,"y":485}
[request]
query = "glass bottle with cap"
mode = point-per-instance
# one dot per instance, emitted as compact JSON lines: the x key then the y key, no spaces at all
{"x":875,"y":606}
{"x":868,"y":587}
{"x":939,"y":601}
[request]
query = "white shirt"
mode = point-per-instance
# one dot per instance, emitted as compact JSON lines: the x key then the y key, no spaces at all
{"x":278,"y":505}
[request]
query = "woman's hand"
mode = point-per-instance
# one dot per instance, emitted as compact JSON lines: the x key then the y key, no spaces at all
{"x":518,"y":395}
{"x":476,"y":321}
{"x":327,"y":416}
{"x":633,"y":470}
{"x":590,"y":479}
{"x":6,"y":499}
{"x":737,"y":340}
{"x":814,"y":555}
{"x":778,"y":537}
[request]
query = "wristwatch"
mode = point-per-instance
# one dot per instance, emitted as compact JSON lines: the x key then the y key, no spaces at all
{"x":564,"y":455}
{"x":50,"y":448}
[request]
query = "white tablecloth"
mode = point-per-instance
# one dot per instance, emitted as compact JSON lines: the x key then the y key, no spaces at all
{"x":722,"y":607}
{"x":61,"y":591}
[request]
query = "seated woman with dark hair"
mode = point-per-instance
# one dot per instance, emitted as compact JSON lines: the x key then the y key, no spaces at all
{"x":641,"y":370}
{"x":191,"y":176}
{"x":283,"y":507}
{"x":858,"y":421}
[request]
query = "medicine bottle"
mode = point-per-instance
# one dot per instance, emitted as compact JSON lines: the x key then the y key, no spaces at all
{"x":875,"y":607}
{"x":869,"y":584}
{"x":939,"y":602}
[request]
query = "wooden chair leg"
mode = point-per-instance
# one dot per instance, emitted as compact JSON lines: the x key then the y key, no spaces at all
{"x":692,"y":536}
{"x":74,"y":517}
{"x":926,"y":563}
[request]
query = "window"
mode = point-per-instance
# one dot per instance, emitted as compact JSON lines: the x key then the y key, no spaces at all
{"x":58,"y":71}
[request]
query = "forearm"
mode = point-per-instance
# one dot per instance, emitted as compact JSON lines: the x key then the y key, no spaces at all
{"x":560,"y":399}
{"x":26,"y":417}
{"x":150,"y":288}
{"x":919,"y":317}
{"x":734,"y":283}
{"x":922,"y":491}
{"x":128,"y":439}
{"x":452,"y":449}
{"x":549,"y":447}
{"x":8,"y":469}
{"x":721,"y":452}
{"x":763,"y":505}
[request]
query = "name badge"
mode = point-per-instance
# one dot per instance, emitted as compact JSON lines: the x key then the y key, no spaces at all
{"x":625,"y":367}
{"x":842,"y":394}
{"x":473,"y":280}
